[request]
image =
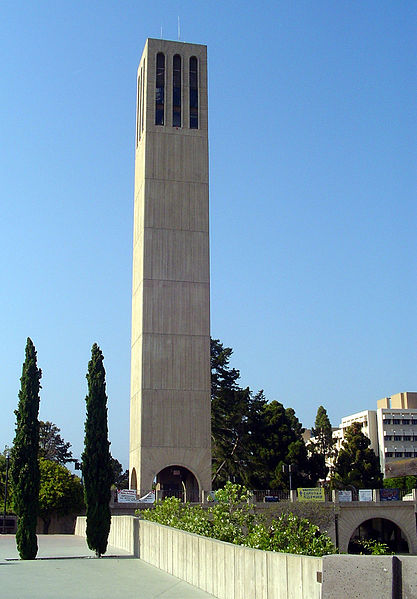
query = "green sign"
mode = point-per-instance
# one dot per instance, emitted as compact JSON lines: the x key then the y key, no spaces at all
{"x":315,"y":494}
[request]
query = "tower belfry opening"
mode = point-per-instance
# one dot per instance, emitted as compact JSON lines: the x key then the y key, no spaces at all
{"x":170,"y":356}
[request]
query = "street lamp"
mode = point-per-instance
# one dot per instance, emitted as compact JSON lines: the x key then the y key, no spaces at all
{"x":289,"y":469}
{"x":5,"y":491}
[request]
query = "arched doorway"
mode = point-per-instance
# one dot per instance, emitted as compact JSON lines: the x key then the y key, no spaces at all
{"x":177,"y":481}
{"x":381,"y":530}
{"x":133,"y":480}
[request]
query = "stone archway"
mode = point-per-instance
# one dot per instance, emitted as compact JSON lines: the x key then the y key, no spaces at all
{"x":133,"y":480}
{"x":177,"y":481}
{"x":381,"y":530}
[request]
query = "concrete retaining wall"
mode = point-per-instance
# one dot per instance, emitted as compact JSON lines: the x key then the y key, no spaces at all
{"x":229,"y":571}
{"x":233,"y":572}
{"x":124,"y":532}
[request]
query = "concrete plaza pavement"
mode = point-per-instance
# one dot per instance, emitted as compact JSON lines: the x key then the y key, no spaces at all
{"x":63,"y":570}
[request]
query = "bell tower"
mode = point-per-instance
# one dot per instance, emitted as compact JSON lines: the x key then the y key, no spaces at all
{"x":170,"y":356}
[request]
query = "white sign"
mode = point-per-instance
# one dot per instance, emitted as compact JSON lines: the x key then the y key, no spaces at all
{"x":365,"y":495}
{"x":345,"y":496}
{"x":148,"y":498}
{"x":126,"y":496}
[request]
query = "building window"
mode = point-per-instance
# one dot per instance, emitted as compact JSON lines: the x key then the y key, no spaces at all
{"x":138,"y":110}
{"x":406,"y":438}
{"x":396,"y":421}
{"x":397,"y":437}
{"x":160,"y":89}
{"x":193,"y":93}
{"x":387,"y":421}
{"x":408,"y":454}
{"x":414,"y":422}
{"x":388,"y":437}
{"x":398,"y":454}
{"x":388,"y":454}
{"x":142,"y":109}
{"x":176,"y":91}
{"x":406,"y":422}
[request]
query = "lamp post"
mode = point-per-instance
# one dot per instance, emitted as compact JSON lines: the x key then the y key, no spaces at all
{"x":5,"y":491}
{"x":289,"y":469}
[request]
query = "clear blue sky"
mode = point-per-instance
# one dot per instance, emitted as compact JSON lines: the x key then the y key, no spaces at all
{"x":312,"y":113}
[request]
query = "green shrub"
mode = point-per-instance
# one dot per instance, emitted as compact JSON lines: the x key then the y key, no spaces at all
{"x":231,"y":519}
{"x":290,"y":534}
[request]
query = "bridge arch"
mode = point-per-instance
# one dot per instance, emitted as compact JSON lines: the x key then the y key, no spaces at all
{"x":381,"y":527}
{"x":352,"y":515}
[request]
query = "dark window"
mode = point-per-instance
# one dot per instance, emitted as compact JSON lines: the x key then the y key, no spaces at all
{"x":397,"y":437}
{"x":408,"y":454}
{"x":388,"y":437}
{"x":138,"y":112}
{"x":160,"y":89}
{"x":142,"y":110}
{"x":406,"y":438}
{"x":396,"y":421}
{"x":398,"y":454}
{"x":414,"y":422}
{"x":176,"y":91}
{"x":193,"y":93}
{"x":387,"y":421}
{"x":388,"y":454}
{"x":406,"y":422}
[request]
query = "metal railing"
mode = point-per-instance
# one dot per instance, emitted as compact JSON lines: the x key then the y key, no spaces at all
{"x":270,"y":495}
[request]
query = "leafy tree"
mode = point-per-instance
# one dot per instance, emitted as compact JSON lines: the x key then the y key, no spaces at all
{"x":3,"y":468}
{"x":356,"y":463}
{"x":51,"y":445}
{"x":96,"y":466}
{"x":278,"y":441}
{"x":253,"y":438}
{"x":404,"y":483}
{"x":24,"y":456}
{"x":230,"y":432}
{"x":120,"y":477}
{"x":60,"y":491}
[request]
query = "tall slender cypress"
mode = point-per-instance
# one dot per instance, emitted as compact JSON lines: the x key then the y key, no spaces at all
{"x":24,"y":464}
{"x":96,"y":459}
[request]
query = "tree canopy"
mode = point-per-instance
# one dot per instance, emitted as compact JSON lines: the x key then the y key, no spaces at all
{"x":60,"y":491}
{"x":51,"y":445}
{"x":356,"y":463}
{"x":251,"y":437}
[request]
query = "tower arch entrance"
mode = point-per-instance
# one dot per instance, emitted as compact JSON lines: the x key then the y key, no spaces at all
{"x":177,"y":481}
{"x":133,"y":480}
{"x":381,"y":530}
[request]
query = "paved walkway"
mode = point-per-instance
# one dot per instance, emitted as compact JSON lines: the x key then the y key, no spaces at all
{"x":65,"y":572}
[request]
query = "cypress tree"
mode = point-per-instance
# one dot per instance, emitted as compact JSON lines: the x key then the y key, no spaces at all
{"x":96,"y":459}
{"x":323,"y":433}
{"x":24,"y":456}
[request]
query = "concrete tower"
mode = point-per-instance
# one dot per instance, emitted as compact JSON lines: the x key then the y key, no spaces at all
{"x":170,"y":367}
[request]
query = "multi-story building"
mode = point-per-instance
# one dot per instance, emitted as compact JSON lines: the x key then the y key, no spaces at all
{"x":397,"y":427}
{"x":392,"y":428}
{"x":368,"y":420}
